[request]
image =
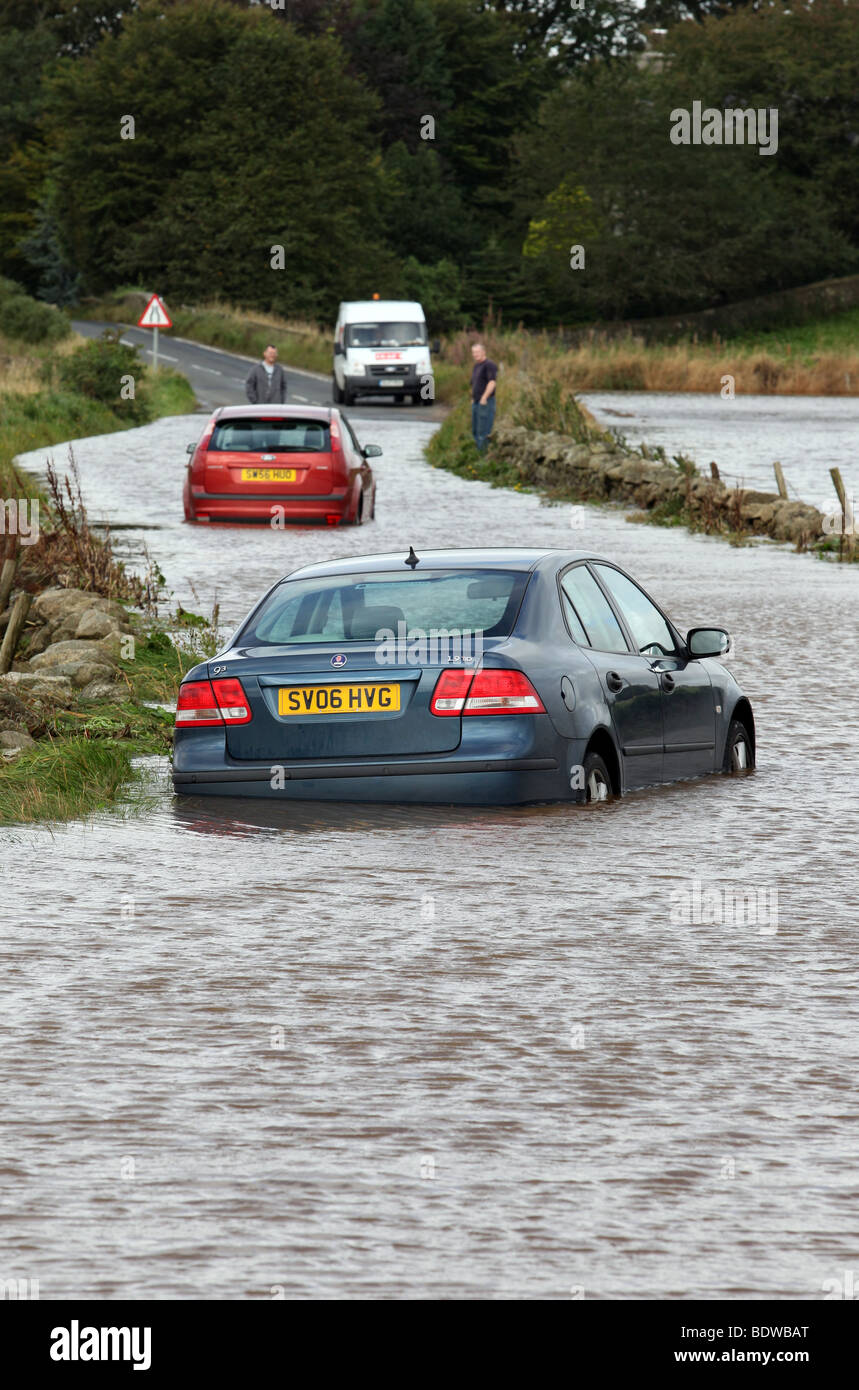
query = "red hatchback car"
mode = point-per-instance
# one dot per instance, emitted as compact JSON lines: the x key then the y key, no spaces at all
{"x":295,"y":463}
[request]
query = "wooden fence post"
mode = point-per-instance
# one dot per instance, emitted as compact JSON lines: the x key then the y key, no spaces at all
{"x":20,"y":609}
{"x":835,"y":475}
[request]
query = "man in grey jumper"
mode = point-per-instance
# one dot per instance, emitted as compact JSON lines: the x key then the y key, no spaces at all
{"x":266,"y":383}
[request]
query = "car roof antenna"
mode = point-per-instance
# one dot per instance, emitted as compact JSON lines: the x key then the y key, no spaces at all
{"x":412,"y":558}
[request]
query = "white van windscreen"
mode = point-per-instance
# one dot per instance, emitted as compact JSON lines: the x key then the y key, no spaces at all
{"x":386,"y":335}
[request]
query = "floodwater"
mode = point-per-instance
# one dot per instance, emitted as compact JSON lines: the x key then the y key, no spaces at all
{"x":808,"y":435}
{"x":258,"y":1050}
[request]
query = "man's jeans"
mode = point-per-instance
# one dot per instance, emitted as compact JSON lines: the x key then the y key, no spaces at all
{"x":482,"y":420}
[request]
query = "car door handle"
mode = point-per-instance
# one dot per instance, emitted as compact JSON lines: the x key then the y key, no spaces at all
{"x":614,"y":681}
{"x":668,"y":681}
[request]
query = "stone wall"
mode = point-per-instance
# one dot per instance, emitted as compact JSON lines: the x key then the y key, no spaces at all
{"x":603,"y":470}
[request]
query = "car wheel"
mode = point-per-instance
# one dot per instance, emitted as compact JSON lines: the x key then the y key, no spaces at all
{"x":596,"y":778}
{"x":739,"y":754}
{"x":336,"y":393}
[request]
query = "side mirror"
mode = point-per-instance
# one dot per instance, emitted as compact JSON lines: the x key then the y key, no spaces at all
{"x":436,"y":344}
{"x":338,"y":350}
{"x":189,"y":448}
{"x":371,"y":451}
{"x":708,"y":641}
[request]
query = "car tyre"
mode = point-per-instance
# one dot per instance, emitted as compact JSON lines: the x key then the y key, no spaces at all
{"x":597,"y":779}
{"x":739,"y":754}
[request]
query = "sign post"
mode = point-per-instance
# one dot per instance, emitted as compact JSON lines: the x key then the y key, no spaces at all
{"x":155,"y":316}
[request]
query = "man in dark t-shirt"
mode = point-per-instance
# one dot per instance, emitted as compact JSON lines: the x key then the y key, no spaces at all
{"x":483,"y":379}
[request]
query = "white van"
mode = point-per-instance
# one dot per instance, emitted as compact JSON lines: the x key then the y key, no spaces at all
{"x":381,"y":348}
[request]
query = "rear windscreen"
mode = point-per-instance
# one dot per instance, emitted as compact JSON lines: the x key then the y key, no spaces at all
{"x":358,"y":608}
{"x":254,"y":436}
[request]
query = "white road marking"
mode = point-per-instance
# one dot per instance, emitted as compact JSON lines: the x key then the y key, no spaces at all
{"x":301,"y":398}
{"x":147,"y":352}
{"x":213,"y":370}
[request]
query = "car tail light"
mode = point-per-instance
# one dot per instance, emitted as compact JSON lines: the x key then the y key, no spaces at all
{"x":485,"y":692}
{"x":334,"y":430}
{"x":197,"y":705}
{"x":450,"y":691}
{"x":198,"y":458}
{"x":232,"y":701}
{"x":202,"y":704}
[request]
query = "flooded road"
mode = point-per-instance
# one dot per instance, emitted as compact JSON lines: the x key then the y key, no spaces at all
{"x":808,"y":435}
{"x":263,"y":1051}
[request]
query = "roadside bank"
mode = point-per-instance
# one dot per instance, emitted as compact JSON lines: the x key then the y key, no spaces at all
{"x":568,"y":458}
{"x":85,"y":661}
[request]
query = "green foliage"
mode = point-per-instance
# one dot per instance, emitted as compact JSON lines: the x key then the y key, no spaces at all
{"x":101,"y":370}
{"x":58,"y":283}
{"x":439,"y":289}
{"x":248,"y":136}
{"x":23,"y":317}
{"x":545,"y":405}
{"x":306,"y":128}
{"x":668,"y":227}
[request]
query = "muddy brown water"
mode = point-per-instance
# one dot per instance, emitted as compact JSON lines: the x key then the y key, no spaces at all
{"x":308,"y":1050}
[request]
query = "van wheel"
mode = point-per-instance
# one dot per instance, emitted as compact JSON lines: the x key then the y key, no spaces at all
{"x":739,"y":756}
{"x":347,"y":397}
{"x":336,"y":393}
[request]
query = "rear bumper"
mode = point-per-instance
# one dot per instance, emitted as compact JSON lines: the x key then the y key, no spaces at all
{"x":242,"y":507}
{"x":459,"y":781}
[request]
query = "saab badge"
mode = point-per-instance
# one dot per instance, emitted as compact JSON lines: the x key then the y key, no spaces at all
{"x":338,"y":660}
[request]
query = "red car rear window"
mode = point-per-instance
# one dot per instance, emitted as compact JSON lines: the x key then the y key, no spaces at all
{"x":256,"y":436}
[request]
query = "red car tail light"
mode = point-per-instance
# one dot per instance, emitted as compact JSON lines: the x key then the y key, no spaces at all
{"x":450,"y":691}
{"x":485,"y":692}
{"x":232,"y":701}
{"x":202,"y":704}
{"x":502,"y":692}
{"x":197,"y":705}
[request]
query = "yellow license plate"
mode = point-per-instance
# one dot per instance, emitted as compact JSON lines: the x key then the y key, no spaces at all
{"x":268,"y":475}
{"x":303,"y":700}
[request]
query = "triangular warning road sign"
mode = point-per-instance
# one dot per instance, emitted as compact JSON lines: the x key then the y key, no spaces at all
{"x":155,"y":315}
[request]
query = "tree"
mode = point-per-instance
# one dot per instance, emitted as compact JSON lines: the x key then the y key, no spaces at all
{"x":571,"y":34}
{"x":248,"y":137}
{"x":664,"y":227}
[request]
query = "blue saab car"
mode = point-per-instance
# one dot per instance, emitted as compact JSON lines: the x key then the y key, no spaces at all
{"x":471,"y":676}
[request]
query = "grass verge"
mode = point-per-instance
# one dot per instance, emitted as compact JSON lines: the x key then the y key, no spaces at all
{"x":816,"y":357}
{"x":83,"y":759}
